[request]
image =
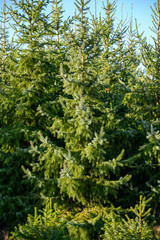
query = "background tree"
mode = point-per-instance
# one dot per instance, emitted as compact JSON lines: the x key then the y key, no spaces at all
{"x":27,"y":107}
{"x":143,"y":104}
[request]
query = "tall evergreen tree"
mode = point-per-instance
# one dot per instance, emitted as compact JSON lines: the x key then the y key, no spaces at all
{"x":129,"y":64}
{"x":110,"y":72}
{"x":79,"y":169}
{"x":27,"y":106}
{"x":146,"y":106}
{"x":143,"y":102}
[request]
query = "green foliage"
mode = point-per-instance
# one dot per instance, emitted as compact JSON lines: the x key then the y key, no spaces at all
{"x":87,"y":224}
{"x":143,"y":97}
{"x":117,"y":228}
{"x":90,"y":223}
{"x":28,"y":103}
{"x":47,"y":224}
{"x":77,"y":167}
{"x":79,"y":123}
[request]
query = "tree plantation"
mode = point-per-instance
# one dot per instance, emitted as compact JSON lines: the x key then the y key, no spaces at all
{"x":79,"y":123}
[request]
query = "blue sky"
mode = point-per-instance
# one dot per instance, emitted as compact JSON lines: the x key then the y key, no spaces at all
{"x":141,"y":11}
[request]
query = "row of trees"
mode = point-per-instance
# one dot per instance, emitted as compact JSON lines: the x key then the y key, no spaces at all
{"x":79,"y":115}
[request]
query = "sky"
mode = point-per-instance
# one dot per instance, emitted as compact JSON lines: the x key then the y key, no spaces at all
{"x":141,"y":11}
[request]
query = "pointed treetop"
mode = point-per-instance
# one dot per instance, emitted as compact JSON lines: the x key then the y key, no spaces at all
{"x":122,"y":12}
{"x":95,"y":9}
{"x":131,"y":23}
{"x":81,"y":5}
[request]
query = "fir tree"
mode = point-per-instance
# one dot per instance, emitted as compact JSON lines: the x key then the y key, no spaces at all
{"x":27,"y":106}
{"x":78,"y":169}
{"x":128,"y":79}
{"x":143,"y":102}
{"x":110,"y":73}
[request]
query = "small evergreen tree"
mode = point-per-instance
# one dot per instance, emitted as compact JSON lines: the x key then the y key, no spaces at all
{"x":137,"y":227}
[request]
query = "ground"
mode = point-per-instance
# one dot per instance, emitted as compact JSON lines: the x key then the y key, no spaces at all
{"x":4,"y":235}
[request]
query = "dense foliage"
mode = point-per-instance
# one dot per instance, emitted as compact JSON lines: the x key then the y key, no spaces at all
{"x":79,"y":123}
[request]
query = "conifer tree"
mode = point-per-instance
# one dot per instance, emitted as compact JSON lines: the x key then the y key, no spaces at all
{"x":55,"y":49}
{"x":78,"y":169}
{"x":27,"y":106}
{"x":143,"y":102}
{"x":145,"y":99}
{"x":130,"y":73}
{"x":110,"y":72}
